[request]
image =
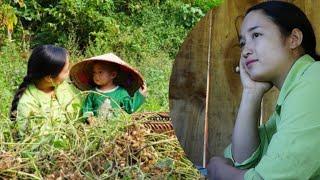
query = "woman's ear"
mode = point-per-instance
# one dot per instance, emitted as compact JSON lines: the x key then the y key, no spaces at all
{"x":295,"y":38}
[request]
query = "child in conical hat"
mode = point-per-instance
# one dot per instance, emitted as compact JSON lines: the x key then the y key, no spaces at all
{"x":114,"y":85}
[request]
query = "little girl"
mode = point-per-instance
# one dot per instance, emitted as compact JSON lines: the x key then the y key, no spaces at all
{"x":43,"y":93}
{"x":110,"y":79}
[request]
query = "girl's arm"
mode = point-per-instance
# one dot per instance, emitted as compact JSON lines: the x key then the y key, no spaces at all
{"x":245,"y":138}
{"x":131,"y":104}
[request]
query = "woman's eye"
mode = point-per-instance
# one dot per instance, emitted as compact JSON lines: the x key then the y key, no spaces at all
{"x":255,"y":35}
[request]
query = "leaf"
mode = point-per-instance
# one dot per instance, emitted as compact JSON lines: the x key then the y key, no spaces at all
{"x":165,"y":163}
{"x":60,"y":144}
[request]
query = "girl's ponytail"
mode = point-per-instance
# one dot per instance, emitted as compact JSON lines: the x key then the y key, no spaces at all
{"x":23,"y":86}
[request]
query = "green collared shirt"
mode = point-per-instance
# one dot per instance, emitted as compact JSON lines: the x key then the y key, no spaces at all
{"x":290,"y":140}
{"x":104,"y":103}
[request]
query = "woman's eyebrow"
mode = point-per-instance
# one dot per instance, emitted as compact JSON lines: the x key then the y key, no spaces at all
{"x":249,"y":30}
{"x":253,"y":28}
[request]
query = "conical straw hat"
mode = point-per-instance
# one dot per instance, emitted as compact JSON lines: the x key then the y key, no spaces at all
{"x":128,"y":77}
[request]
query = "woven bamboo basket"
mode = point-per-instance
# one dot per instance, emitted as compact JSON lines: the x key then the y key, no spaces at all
{"x":157,"y":122}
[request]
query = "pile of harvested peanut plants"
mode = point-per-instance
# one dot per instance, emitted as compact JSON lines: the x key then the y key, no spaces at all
{"x":119,"y":148}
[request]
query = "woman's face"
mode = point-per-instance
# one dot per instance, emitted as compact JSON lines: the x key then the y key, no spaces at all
{"x":265,"y":53}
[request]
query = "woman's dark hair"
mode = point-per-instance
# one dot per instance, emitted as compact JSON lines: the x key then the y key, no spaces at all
{"x":45,"y":60}
{"x":288,"y":16}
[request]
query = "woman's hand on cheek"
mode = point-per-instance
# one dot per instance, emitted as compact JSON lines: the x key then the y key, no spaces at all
{"x":251,"y":86}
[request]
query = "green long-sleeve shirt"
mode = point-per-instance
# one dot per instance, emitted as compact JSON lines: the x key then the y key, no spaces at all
{"x":102,"y":103}
{"x":36,"y":108}
{"x":290,"y":140}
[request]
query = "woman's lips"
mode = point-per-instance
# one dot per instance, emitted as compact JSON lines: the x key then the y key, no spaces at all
{"x":250,"y":62}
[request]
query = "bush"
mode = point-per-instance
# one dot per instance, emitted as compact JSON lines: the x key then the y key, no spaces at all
{"x":14,"y":69}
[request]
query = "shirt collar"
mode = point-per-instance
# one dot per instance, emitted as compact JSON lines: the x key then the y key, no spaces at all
{"x":295,"y":73}
{"x":107,"y":91}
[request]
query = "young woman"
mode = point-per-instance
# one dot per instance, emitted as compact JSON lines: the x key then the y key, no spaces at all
{"x":43,"y":94}
{"x":278,"y":49}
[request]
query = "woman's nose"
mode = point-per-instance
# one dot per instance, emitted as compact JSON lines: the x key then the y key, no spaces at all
{"x":247,"y":50}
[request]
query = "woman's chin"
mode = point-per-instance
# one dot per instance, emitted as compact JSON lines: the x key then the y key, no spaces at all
{"x":258,"y":77}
